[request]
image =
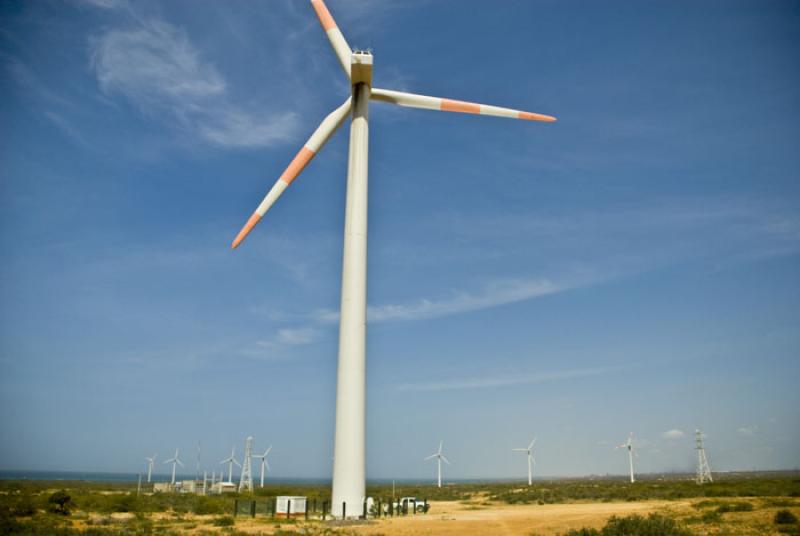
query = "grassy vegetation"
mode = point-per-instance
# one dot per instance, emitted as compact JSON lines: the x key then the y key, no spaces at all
{"x":549,"y":492}
{"x":636,"y":525}
{"x":29,"y":508}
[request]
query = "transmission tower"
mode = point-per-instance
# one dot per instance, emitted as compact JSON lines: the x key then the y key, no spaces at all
{"x":703,"y":469}
{"x":246,"y":479}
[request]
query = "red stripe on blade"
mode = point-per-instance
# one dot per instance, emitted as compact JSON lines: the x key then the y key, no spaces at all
{"x":460,"y":106}
{"x":324,"y":15}
{"x":297,"y":164}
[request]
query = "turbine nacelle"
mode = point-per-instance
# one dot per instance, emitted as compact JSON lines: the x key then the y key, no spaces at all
{"x":361,"y":67}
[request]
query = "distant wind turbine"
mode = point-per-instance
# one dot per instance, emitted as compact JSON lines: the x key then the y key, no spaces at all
{"x":264,"y":462}
{"x":174,"y":460}
{"x":150,"y":462}
{"x":531,"y":460}
{"x":197,"y":465}
{"x":230,"y":461}
{"x":439,"y":458}
{"x":631,"y":451}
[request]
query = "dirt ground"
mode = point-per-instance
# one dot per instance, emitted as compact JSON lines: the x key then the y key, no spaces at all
{"x":456,"y":518}
{"x":453,"y":518}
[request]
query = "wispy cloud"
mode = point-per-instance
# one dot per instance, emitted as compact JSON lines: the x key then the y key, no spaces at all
{"x":673,"y":434}
{"x":747,"y":430}
{"x":104,"y":4}
{"x":292,"y":337}
{"x":502,"y":381}
{"x":156,"y":66}
{"x":494,"y":294}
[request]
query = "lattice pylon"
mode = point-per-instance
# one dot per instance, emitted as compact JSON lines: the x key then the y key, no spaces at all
{"x":703,"y":469}
{"x":246,"y":478}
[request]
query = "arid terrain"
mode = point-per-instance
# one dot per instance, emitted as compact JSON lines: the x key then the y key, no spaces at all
{"x":738,"y":505}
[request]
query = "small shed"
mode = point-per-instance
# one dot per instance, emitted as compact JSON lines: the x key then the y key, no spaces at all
{"x":290,"y":506}
{"x":162,"y":487}
{"x":224,"y":487}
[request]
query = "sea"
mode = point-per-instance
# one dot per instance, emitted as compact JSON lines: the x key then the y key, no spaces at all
{"x":89,"y":476}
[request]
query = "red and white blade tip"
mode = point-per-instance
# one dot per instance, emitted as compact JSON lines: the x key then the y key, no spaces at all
{"x":254,"y":219}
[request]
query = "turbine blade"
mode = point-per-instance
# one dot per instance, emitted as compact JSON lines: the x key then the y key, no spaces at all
{"x":323,"y":133}
{"x":520,"y":450}
{"x":237,"y":463}
{"x":445,"y":460}
{"x":446,"y":105}
{"x":532,"y":442}
{"x":267,"y":452}
{"x":440,"y":446}
{"x":338,"y":42}
{"x":431,"y":456}
{"x":179,"y":463}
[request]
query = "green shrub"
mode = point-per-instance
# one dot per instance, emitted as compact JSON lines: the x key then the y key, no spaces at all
{"x":735,"y":507}
{"x":785,"y":517}
{"x":210,"y":505}
{"x":60,"y":502}
{"x":636,"y":525}
{"x":224,"y":521}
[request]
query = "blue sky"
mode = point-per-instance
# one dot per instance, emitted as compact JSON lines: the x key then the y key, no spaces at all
{"x":632,"y":267}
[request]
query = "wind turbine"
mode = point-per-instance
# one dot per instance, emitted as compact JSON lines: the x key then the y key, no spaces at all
{"x":264,"y":462}
{"x":197,"y":465}
{"x":531,"y":460}
{"x":349,"y":441}
{"x":631,"y":451}
{"x":230,"y":461}
{"x":439,"y":457}
{"x":150,"y":461}
{"x":174,"y":460}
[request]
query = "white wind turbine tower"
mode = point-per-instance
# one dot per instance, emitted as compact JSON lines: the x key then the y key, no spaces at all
{"x":439,"y":458}
{"x":349,"y":440}
{"x":197,"y":464}
{"x":174,"y":460}
{"x":150,"y":462}
{"x":631,"y":451}
{"x":246,"y":478}
{"x":264,"y":462}
{"x":531,"y":460}
{"x":230,"y":461}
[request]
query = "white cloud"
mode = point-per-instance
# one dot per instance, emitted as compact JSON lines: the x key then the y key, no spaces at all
{"x":292,"y":337}
{"x":747,"y":430}
{"x":104,"y":4}
{"x":493,"y":295}
{"x":156,"y":66}
{"x":488,"y":382}
{"x":673,"y":434}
